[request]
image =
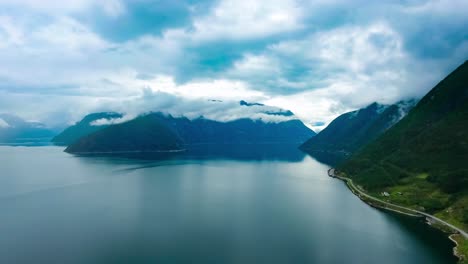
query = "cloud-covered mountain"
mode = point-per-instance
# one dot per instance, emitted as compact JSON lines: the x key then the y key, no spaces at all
{"x":15,"y":130}
{"x":89,"y":124}
{"x":157,"y":132}
{"x":216,"y":110}
{"x":355,"y":129}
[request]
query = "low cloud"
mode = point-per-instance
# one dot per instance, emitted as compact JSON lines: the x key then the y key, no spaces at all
{"x":178,"y":106}
{"x":3,"y":124}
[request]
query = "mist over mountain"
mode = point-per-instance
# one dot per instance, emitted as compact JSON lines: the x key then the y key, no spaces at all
{"x":158,"y":132}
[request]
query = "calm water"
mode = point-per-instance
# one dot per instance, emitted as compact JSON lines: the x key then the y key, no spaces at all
{"x":254,"y":208}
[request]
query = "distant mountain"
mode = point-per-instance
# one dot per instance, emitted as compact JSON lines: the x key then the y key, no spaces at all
{"x":147,"y":133}
{"x":242,"y":102}
{"x":353,"y":130}
{"x":15,"y":130}
{"x":89,"y":124}
{"x":423,"y":158}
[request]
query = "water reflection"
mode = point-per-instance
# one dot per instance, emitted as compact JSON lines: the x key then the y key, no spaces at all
{"x":241,"y":152}
{"x":330,"y":158}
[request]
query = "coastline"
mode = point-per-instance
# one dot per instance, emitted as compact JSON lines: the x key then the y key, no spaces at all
{"x":460,"y":256}
{"x":430,"y":219}
{"x":126,"y":152}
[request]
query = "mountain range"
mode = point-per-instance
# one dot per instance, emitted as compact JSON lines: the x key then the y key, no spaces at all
{"x":162,"y":132}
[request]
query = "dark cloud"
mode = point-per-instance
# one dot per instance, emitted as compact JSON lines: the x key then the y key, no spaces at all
{"x":144,"y":17}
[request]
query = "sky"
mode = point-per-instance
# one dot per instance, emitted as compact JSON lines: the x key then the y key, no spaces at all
{"x":60,"y":60}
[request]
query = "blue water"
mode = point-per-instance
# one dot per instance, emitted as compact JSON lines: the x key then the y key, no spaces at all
{"x":60,"y":208}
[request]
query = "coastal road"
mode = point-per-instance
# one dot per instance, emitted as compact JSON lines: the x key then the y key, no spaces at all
{"x":435,"y":219}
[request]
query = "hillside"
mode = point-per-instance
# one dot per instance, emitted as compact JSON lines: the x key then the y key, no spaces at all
{"x":83,"y":128}
{"x":143,"y":134}
{"x":353,"y":130}
{"x":422,"y":160}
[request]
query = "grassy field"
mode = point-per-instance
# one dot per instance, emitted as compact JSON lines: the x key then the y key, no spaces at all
{"x":462,"y":248}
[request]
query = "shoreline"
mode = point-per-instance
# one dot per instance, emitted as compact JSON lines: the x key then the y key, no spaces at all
{"x":455,"y":249}
{"x":126,"y":152}
{"x":410,"y":212}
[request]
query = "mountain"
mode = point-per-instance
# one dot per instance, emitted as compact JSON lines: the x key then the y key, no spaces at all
{"x":89,"y":124}
{"x":15,"y":130}
{"x":350,"y":131}
{"x":423,"y":158}
{"x":147,"y":132}
{"x":242,"y":102}
{"x":143,"y":134}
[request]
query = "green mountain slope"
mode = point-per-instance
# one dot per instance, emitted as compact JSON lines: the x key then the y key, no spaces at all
{"x":351,"y":131}
{"x":422,"y":161}
{"x":83,"y":128}
{"x":146,"y":133}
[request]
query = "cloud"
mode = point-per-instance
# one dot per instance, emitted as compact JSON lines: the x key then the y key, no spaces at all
{"x":195,"y":107}
{"x":244,"y":19}
{"x":112,"y":121}
{"x":110,"y":7}
{"x":315,"y":57}
{"x":69,"y":35}
{"x":4,"y":124}
{"x":9,"y":32}
{"x":438,"y":7}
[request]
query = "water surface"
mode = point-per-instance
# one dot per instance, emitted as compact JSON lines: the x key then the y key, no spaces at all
{"x":60,"y":208}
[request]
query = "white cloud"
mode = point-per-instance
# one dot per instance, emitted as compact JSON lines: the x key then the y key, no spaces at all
{"x":221,"y":110}
{"x":244,"y":19}
{"x":439,"y":7}
{"x":354,"y":48}
{"x":311,"y":107}
{"x":261,"y":65}
{"x":347,"y":60}
{"x":112,"y":121}
{"x":3,"y":124}
{"x":342,"y":69}
{"x":112,"y":7}
{"x":57,"y":53}
{"x":67,"y":34}
{"x":10,"y":34}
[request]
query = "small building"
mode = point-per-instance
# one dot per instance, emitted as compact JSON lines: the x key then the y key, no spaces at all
{"x":386,"y":194}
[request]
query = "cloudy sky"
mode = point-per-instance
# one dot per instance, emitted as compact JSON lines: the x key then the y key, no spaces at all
{"x":318,"y":58}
